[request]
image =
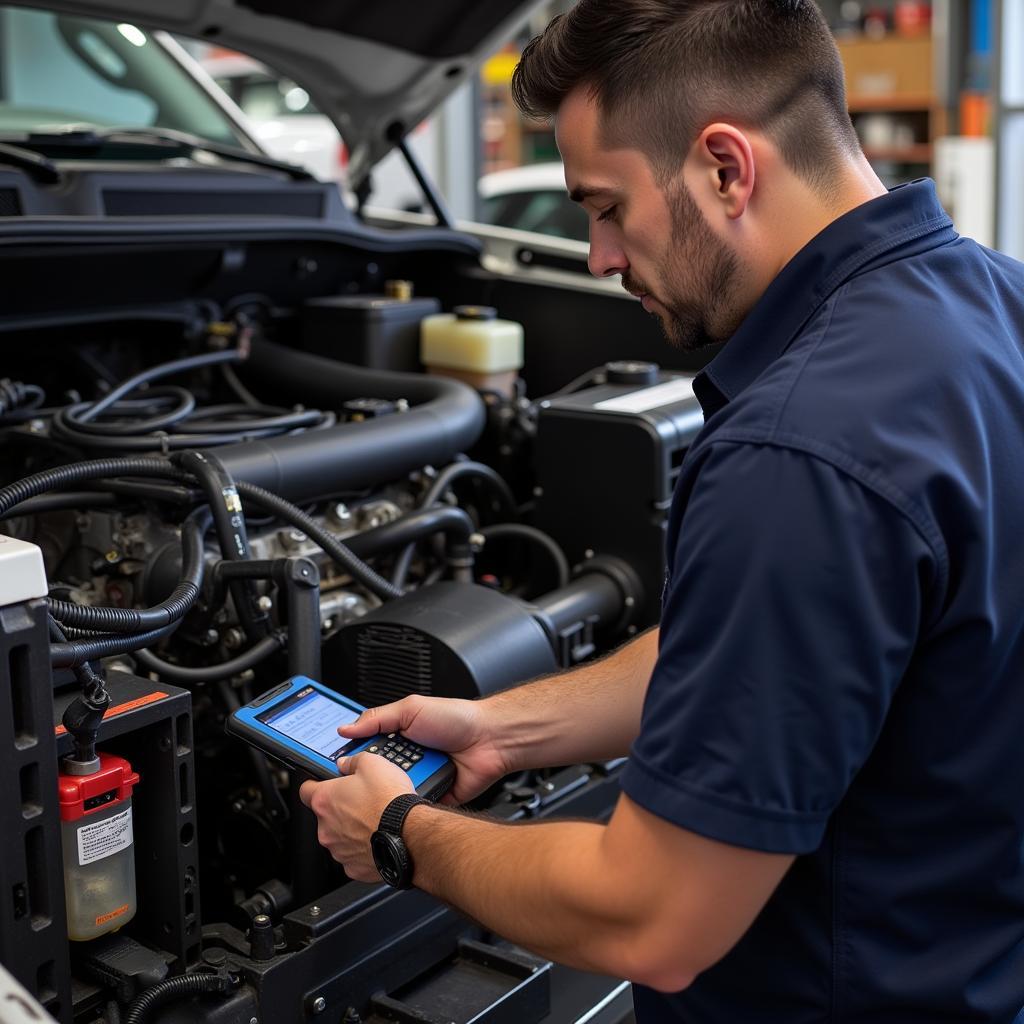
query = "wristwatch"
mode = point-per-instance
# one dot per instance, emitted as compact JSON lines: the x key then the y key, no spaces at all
{"x":390,"y":853}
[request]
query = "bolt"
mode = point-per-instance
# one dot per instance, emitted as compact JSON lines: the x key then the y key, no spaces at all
{"x":477,"y":541}
{"x":402,"y":405}
{"x":589,"y":553}
{"x":342,"y":513}
{"x":314,"y":911}
{"x":264,"y":603}
{"x":327,"y":624}
{"x":261,"y":919}
{"x":112,"y":556}
{"x":538,"y":492}
{"x":629,"y":602}
{"x":234,"y":638}
{"x":210,"y":637}
{"x":254,"y":1020}
{"x":319,"y":1004}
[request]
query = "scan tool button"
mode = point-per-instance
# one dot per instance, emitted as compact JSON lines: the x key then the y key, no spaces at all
{"x":406,"y":765}
{"x":374,"y":749}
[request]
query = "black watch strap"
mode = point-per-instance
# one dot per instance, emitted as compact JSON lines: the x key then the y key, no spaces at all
{"x":393,"y":818}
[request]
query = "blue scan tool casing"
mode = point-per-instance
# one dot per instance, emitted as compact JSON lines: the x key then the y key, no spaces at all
{"x":296,"y":723}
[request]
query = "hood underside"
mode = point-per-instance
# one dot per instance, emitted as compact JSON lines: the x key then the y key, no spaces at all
{"x":375,"y":69}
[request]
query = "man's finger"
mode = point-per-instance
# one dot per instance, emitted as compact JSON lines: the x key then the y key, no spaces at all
{"x":306,"y":791}
{"x":387,"y":718}
{"x":349,"y":765}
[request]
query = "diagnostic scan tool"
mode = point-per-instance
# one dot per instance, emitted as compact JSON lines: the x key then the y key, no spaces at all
{"x":297,"y":723}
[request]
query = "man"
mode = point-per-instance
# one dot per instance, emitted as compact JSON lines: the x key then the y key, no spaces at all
{"x":823,"y":811}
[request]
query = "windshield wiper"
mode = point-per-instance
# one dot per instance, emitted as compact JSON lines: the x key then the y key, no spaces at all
{"x":168,"y":138}
{"x":38,"y":167}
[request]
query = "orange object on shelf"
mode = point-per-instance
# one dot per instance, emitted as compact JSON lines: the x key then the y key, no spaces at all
{"x":975,"y":114}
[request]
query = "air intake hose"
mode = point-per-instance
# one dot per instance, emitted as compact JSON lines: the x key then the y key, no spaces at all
{"x":444,"y":418}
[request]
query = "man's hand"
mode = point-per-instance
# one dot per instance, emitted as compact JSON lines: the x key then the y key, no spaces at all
{"x":457,"y":727}
{"x":348,"y":809}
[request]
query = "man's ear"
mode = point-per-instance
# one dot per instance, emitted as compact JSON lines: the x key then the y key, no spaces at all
{"x":725,"y":162}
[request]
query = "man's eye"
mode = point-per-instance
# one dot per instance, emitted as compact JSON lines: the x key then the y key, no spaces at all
{"x":608,"y":214}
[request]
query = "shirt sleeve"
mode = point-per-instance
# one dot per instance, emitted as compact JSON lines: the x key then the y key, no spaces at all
{"x":796,"y":595}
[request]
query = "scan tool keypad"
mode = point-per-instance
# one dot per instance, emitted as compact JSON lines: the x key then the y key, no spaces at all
{"x":397,"y":749}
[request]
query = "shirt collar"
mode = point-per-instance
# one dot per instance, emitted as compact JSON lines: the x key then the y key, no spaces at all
{"x":858,"y":238}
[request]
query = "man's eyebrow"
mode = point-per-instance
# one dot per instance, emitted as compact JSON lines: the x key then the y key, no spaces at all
{"x":582,"y":192}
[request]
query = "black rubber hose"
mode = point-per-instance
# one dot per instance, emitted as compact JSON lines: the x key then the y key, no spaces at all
{"x":259,"y":651}
{"x":229,"y":523}
{"x":436,"y":492}
{"x":168,"y":991}
{"x":446,"y":519}
{"x":231,"y":355}
{"x":536,"y":537}
{"x":354,"y":566}
{"x":451,"y":473}
{"x":78,"y":472}
{"x":138,"y":620}
{"x":446,"y":418}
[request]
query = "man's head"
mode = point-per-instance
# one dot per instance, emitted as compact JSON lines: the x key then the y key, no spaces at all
{"x":668,"y":112}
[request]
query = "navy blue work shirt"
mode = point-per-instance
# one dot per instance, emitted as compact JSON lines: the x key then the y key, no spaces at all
{"x":841,"y":665}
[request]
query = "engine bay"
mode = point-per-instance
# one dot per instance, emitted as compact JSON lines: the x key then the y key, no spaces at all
{"x":219,"y":436}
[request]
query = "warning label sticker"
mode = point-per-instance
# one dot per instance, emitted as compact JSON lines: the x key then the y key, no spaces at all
{"x":104,"y":918}
{"x":104,"y":838}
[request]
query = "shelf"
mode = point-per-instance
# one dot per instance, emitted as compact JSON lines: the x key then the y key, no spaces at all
{"x":900,"y":102}
{"x":920,"y":153}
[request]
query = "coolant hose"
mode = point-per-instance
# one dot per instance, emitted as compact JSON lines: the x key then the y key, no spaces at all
{"x":445,"y":418}
{"x":173,"y":988}
{"x":259,"y":651}
{"x":453,"y":522}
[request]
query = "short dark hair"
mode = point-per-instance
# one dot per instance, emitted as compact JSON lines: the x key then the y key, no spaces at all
{"x":662,"y":70}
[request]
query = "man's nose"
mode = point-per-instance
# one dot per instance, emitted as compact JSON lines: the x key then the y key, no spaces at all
{"x":605,"y":259}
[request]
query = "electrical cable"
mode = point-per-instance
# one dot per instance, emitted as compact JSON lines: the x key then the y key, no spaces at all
{"x":139,"y":620}
{"x":290,"y":513}
{"x":166,"y":417}
{"x":79,"y":472}
{"x":77,"y":652}
{"x":229,"y":523}
{"x":141,"y":1009}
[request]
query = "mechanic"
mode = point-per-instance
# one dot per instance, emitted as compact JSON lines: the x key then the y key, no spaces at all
{"x":823,"y":810}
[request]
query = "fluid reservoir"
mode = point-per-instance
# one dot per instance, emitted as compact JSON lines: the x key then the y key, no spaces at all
{"x":472,"y":345}
{"x":99,"y":859}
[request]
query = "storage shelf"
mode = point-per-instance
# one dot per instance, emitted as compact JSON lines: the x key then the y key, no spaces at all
{"x":906,"y":102}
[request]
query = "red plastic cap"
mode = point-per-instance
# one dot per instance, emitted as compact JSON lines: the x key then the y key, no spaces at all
{"x":81,"y":795}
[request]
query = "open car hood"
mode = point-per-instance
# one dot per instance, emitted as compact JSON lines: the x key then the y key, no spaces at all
{"x":375,"y":69}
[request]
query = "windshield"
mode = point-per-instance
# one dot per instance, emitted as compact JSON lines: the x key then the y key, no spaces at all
{"x":59,"y":70}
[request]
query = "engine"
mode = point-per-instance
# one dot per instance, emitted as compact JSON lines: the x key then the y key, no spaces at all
{"x":233,"y":490}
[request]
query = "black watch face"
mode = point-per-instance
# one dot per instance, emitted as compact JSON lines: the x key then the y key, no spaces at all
{"x":391,"y":858}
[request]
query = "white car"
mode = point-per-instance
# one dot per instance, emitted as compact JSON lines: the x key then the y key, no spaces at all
{"x":532,"y":198}
{"x":282,"y":115}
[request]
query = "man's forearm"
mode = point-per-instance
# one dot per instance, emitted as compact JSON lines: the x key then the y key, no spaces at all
{"x":542,"y":886}
{"x":589,"y":714}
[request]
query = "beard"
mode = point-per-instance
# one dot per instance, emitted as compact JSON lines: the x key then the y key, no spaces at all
{"x":698,"y":257}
